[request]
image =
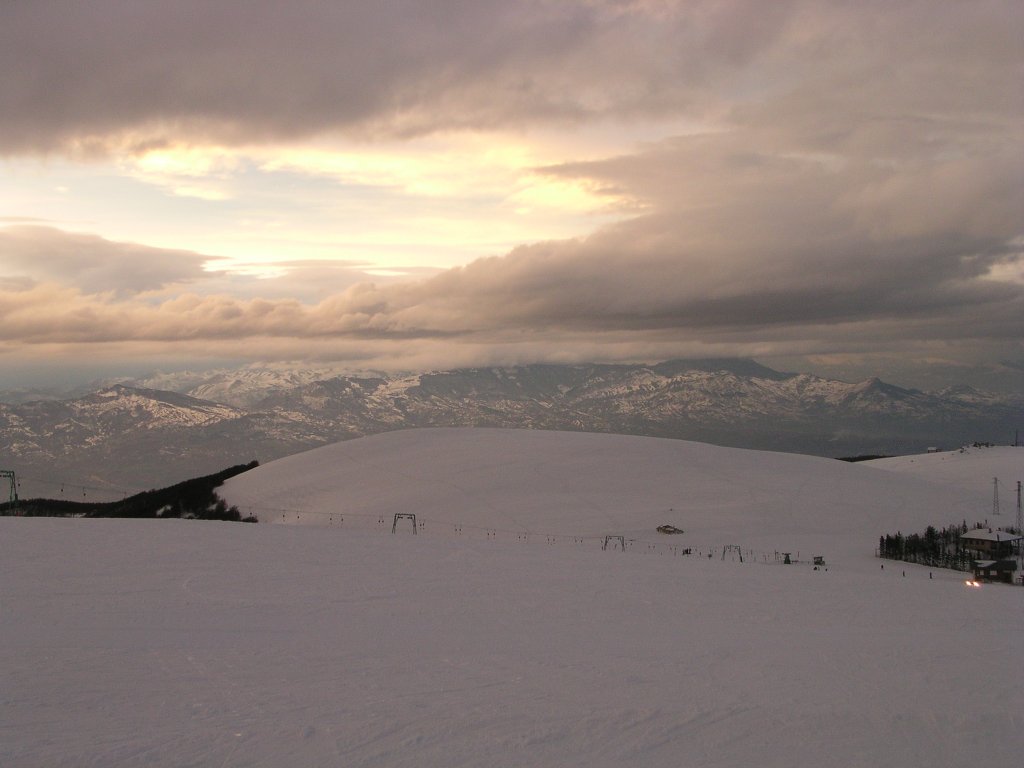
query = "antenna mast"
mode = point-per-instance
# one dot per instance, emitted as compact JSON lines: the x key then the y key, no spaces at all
{"x":995,"y":495}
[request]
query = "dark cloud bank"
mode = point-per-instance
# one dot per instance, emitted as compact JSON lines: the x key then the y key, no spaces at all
{"x":858,"y":190}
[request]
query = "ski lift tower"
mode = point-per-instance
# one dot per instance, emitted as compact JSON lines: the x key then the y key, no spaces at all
{"x":8,"y":474}
{"x":1020,"y":512}
{"x":733,"y":548}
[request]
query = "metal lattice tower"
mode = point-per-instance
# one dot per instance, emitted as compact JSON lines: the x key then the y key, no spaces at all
{"x":609,"y":542}
{"x":404,"y":516}
{"x":1020,"y":513}
{"x":732,"y":548}
{"x":9,"y":475}
{"x":995,"y":496}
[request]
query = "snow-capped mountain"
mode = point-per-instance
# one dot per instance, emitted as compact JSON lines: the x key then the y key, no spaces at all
{"x":134,"y":437}
{"x":114,"y":441}
{"x":240,"y":387}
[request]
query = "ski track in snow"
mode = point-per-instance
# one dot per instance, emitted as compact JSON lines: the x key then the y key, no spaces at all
{"x":181,"y":643}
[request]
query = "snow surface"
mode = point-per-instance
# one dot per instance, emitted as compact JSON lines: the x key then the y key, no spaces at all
{"x":182,"y":643}
{"x":568,"y":485}
{"x":967,"y":467}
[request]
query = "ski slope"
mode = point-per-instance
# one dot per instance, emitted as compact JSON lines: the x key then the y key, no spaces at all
{"x":181,"y":643}
{"x":568,"y":485}
{"x":970,"y":468}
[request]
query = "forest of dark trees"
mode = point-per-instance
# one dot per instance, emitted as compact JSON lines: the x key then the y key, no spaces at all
{"x":193,"y":499}
{"x":939,"y":548}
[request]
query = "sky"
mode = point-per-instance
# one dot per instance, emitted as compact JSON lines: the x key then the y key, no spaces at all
{"x":831,"y":186}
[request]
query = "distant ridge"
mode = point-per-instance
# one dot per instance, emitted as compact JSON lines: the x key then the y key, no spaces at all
{"x":130,"y":438}
{"x":736,"y":365}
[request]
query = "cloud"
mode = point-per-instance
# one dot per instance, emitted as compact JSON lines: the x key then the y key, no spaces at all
{"x":88,"y":77}
{"x":101,"y":270}
{"x":93,"y":264}
{"x":309,"y":282}
{"x":21,"y":220}
{"x":851,"y":183}
{"x":627,"y":281}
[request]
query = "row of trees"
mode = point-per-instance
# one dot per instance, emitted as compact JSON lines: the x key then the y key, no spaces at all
{"x":939,"y":548}
{"x":195,"y":498}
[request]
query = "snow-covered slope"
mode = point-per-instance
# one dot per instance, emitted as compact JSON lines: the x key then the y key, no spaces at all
{"x":176,"y":643}
{"x":970,"y":468}
{"x":511,"y":483}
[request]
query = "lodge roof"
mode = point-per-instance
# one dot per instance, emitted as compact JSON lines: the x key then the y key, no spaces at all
{"x":987,"y":534}
{"x":998,"y":565}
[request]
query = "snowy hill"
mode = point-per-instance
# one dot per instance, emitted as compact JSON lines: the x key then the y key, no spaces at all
{"x":570,"y":485}
{"x":970,"y":467}
{"x":153,"y":643}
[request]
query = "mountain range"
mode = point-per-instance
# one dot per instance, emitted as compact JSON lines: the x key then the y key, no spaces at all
{"x":144,"y":433}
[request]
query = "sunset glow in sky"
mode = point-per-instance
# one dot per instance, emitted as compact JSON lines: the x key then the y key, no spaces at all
{"x":823,"y":185}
